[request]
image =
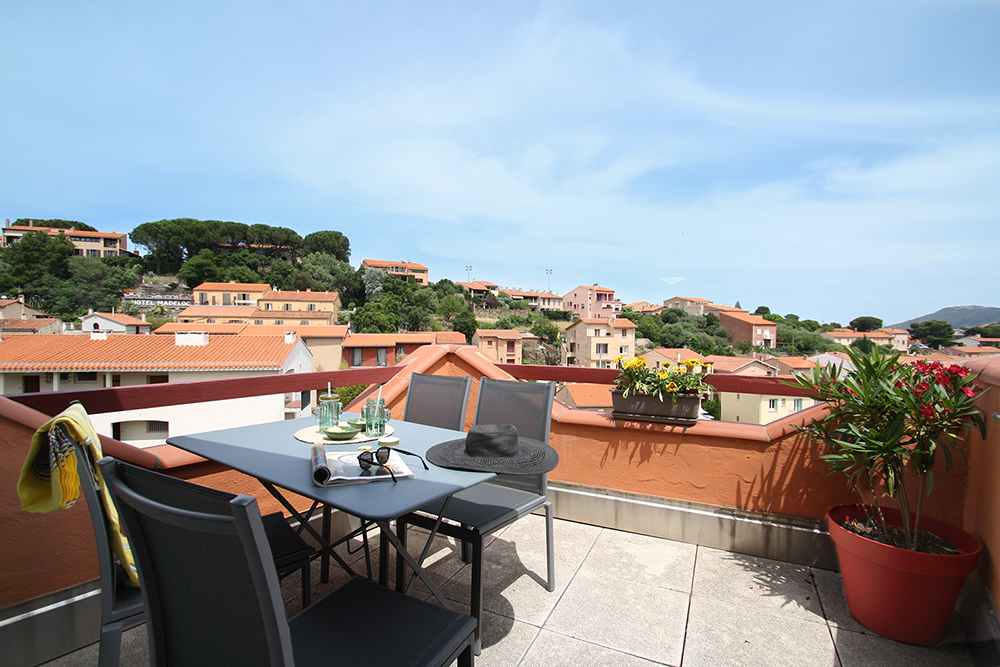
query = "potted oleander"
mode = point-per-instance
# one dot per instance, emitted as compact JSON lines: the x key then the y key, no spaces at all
{"x":671,"y":394}
{"x":888,"y":424}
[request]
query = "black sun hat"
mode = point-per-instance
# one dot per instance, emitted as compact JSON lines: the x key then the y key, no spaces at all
{"x":495,"y":448}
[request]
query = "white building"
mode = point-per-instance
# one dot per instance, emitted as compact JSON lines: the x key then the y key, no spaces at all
{"x":58,"y":362}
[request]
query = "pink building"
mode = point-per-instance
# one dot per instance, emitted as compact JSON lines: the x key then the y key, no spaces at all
{"x":592,"y":301}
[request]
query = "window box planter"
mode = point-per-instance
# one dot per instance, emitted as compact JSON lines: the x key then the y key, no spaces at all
{"x":646,"y":408}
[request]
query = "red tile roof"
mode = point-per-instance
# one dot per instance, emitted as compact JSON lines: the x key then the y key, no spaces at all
{"x":449,"y":338}
{"x":234,"y":287}
{"x":378,"y":263}
{"x":672,"y":352}
{"x":617,"y":323}
{"x":744,"y":316}
{"x":122,"y":319}
{"x":59,"y":352}
{"x":476,"y":286}
{"x":54,"y":231}
{"x":289,"y":314}
{"x":174,"y":327}
{"x":289,"y":295}
{"x":32,"y":324}
{"x":304,"y":330}
{"x":589,"y":395}
{"x":218,"y":311}
{"x":796,"y":362}
{"x":503,"y":334}
{"x":388,"y":340}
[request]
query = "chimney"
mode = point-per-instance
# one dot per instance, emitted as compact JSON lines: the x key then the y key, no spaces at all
{"x":97,"y":334}
{"x":289,"y":337}
{"x":143,"y":317}
{"x":191,"y":338}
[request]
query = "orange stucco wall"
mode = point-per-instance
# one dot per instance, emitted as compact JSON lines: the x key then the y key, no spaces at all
{"x":982,"y":503}
{"x":44,"y":553}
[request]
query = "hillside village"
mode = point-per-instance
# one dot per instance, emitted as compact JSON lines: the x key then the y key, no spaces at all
{"x":161,"y":332}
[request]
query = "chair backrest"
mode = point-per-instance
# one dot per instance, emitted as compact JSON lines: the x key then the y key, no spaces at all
{"x":117,"y":601}
{"x":211,"y":592}
{"x":526,"y":405}
{"x":437,"y":400}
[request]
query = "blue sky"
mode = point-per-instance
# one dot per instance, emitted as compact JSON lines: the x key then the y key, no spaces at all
{"x":827,"y":159}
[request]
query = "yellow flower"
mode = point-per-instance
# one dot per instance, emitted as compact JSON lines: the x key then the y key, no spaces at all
{"x":672,"y":387}
{"x":691,"y":363}
{"x":663,"y":373}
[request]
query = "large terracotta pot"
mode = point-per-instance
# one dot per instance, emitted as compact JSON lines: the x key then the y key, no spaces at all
{"x":642,"y":407}
{"x":903,"y":595}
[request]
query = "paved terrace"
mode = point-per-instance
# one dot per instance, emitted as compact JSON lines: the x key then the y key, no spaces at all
{"x":629,"y":600}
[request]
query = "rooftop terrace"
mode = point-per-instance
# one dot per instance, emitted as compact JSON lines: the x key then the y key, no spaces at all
{"x":634,"y":600}
{"x":689,"y":546}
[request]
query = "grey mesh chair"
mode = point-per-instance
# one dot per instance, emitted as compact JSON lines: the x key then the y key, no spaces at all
{"x":121,"y":604}
{"x":486,"y":508}
{"x":437,"y":400}
{"x":213,"y":598}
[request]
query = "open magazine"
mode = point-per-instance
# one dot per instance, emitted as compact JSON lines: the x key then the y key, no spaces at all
{"x":344,"y":468}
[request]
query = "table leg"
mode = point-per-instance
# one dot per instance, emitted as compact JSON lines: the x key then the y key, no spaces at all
{"x":417,"y":569}
{"x":326,"y":548}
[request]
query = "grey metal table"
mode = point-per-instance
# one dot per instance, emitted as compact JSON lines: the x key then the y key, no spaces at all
{"x":272,"y":454}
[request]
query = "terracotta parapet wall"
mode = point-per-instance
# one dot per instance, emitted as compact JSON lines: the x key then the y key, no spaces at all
{"x":982,"y":503}
{"x":745,"y":466}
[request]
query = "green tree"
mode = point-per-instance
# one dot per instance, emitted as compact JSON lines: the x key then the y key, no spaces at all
{"x":373,"y":279}
{"x":36,"y":255}
{"x":328,"y":242}
{"x":934,"y":333}
{"x":986,"y":331}
{"x":864,"y":345}
{"x":762,"y":310}
{"x":240,"y":274}
{"x":279,"y":274}
{"x":866,"y":323}
{"x":465,"y":322}
{"x":451,"y":305}
{"x":673,"y":315}
{"x":545,"y":329}
{"x":203,"y":267}
{"x":378,"y":316}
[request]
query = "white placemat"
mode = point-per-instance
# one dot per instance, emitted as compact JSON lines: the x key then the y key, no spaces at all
{"x":311,"y":435}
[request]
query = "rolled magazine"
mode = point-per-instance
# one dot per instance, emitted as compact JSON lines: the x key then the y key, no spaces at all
{"x":331,"y":469}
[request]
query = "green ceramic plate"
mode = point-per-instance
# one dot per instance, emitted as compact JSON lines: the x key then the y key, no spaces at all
{"x":341,"y":432}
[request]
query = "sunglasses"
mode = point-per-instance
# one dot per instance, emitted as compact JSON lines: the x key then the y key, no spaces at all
{"x":380,"y":457}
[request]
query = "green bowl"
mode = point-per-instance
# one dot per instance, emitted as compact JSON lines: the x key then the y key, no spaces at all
{"x":341,"y":432}
{"x":357,"y":423}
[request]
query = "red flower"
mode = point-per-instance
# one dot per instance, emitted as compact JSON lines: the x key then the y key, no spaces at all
{"x":922,"y":387}
{"x":969,"y":391}
{"x":899,"y":384}
{"x":927,"y":411}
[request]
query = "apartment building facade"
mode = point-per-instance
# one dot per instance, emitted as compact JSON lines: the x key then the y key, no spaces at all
{"x":587,"y":301}
{"x":504,"y":346}
{"x":87,"y":244}
{"x":595,"y":342}
{"x":402,"y":270}
{"x":537,"y":301}
{"x":743,"y":326}
{"x":258,"y":304}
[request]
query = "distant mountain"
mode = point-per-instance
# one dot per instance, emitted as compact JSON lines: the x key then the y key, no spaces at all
{"x":960,"y":317}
